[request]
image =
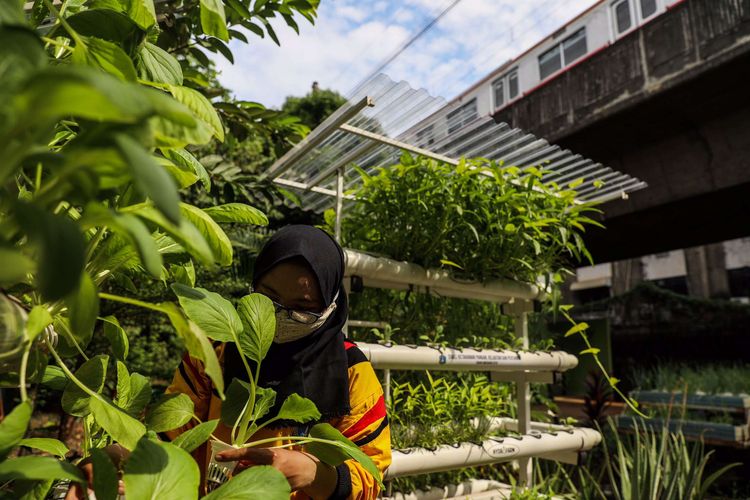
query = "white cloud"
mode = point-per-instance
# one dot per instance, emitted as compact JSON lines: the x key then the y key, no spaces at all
{"x":351,"y":38}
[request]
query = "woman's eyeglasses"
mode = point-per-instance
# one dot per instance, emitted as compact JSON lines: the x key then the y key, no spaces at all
{"x":304,"y":317}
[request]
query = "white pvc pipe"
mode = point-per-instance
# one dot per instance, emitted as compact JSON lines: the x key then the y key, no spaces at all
{"x":470,"y":488}
{"x":421,"y":461}
{"x":386,"y":273}
{"x":401,"y":357}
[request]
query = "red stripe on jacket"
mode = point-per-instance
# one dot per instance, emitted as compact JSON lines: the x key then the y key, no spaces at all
{"x":373,"y":415}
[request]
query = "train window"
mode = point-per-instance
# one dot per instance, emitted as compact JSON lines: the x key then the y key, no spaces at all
{"x":648,"y":8}
{"x":574,"y":46}
{"x":513,"y":85}
{"x":549,"y":62}
{"x":498,"y":91}
{"x":462,"y":116}
{"x":623,"y":19}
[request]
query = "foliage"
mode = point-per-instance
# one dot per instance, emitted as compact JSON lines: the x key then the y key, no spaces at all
{"x":658,"y":464}
{"x":709,"y":378}
{"x":314,"y":107}
{"x":480,"y":219}
{"x":102,"y":103}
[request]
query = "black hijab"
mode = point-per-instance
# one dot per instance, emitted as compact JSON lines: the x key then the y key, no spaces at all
{"x":314,"y":366}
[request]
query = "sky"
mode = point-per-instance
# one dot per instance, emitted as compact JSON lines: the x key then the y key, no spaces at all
{"x":351,"y":38}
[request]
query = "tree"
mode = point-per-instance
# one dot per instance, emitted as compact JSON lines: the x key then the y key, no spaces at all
{"x":315,"y":107}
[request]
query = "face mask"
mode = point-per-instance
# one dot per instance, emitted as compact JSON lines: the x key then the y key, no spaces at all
{"x":289,"y":330}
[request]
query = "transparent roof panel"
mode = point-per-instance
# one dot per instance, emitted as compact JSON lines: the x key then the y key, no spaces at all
{"x":404,"y":117}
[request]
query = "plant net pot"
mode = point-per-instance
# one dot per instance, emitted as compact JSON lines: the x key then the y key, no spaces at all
{"x":218,"y":473}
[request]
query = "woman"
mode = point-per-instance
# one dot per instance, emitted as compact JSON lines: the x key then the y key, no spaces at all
{"x":301,"y":270}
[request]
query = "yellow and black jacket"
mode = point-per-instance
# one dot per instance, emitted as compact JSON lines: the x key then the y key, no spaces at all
{"x":366,"y":425}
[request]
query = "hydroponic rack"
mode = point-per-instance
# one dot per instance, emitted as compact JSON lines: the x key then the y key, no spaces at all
{"x":521,"y":367}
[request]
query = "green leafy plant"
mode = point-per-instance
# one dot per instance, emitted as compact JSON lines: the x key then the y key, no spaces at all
{"x":480,"y":219}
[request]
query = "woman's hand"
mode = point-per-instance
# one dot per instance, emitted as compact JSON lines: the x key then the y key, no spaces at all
{"x":116,"y":453}
{"x":303,"y":471}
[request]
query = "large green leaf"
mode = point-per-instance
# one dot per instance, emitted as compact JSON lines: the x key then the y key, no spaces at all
{"x":213,"y":19}
{"x":158,"y":65}
{"x":83,"y":308}
{"x":298,"y":409}
{"x":339,"y":449}
{"x":186,"y":234}
{"x":140,"y":394}
{"x":238,"y":394}
{"x":169,"y":412}
{"x":258,"y":317}
{"x":92,"y":374}
{"x":150,"y":178}
{"x":22,"y":52}
{"x":210,"y":311}
{"x":200,"y":106}
{"x":122,"y":394}
{"x":193,"y":438}
{"x":197,"y":344}
{"x":183,"y":175}
{"x":15,"y":266}
{"x":237,"y":212}
{"x":123,"y":428}
{"x":214,"y":235}
{"x":161,"y":471}
{"x":170,"y":134}
{"x":105,"y":480}
{"x":13,"y":427}
{"x":179,"y":156}
{"x":54,"y":378}
{"x":117,"y":337}
{"x":104,"y":23}
{"x":133,"y":229}
{"x":140,"y":11}
{"x":259,"y":482}
{"x":106,"y":56}
{"x":38,"y":468}
{"x":39,"y":319}
{"x":11,"y":13}
{"x":67,"y":340}
{"x":61,"y":250}
{"x":52,"y":446}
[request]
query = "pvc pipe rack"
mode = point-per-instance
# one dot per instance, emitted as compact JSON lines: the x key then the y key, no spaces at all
{"x":378,"y":272}
{"x":491,"y":451}
{"x":403,"y":357}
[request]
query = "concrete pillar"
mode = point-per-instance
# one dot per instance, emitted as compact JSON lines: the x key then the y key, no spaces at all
{"x":626,"y":274}
{"x":707,"y":271}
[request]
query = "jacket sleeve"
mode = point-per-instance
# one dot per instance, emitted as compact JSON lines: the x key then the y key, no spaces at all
{"x":367,"y":426}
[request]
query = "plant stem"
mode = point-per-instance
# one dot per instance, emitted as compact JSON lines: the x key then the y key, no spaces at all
{"x":128,"y":300}
{"x":73,"y":34}
{"x":69,"y":374}
{"x":22,"y":373}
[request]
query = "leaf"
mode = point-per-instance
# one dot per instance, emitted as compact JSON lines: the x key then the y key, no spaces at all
{"x":106,"y":56}
{"x":591,"y":350}
{"x":123,"y":428}
{"x":123,"y":385}
{"x":105,"y":481}
{"x":15,"y":266}
{"x":141,"y":11}
{"x":140,"y":394}
{"x":200,"y":106}
{"x":39,"y":319}
{"x":339,"y":449}
{"x":184,"y":274}
{"x":169,"y":412}
{"x":103,"y":22}
{"x":38,"y":468}
{"x":576,"y":183}
{"x":240,"y":8}
{"x":210,"y":311}
{"x":260,"y":481}
{"x":158,"y":65}
{"x":213,"y":19}
{"x":197,"y":345}
{"x":13,"y":428}
{"x":11,"y":14}
{"x":237,"y":396}
{"x":150,"y":178}
{"x":258,"y":317}
{"x":577,"y":328}
{"x":186,"y":234}
{"x":158,"y":470}
{"x":61,"y":250}
{"x":54,"y":378}
{"x":450,"y":263}
{"x":214,"y":235}
{"x":237,"y":212}
{"x":183,"y":175}
{"x":92,"y":374}
{"x":179,"y":156}
{"x":298,"y":409}
{"x":191,"y":439}
{"x":117,"y":337}
{"x":83,"y":306}
{"x":49,"y":445}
